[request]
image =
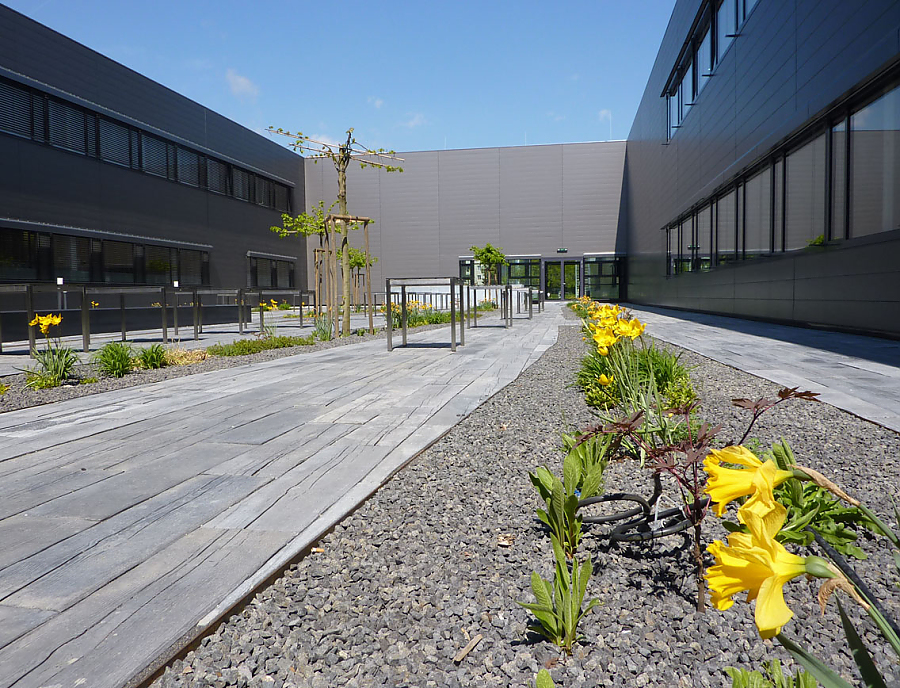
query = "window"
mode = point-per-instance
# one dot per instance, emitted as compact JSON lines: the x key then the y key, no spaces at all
{"x":262,"y":272}
{"x":285,"y":271}
{"x":15,"y":110}
{"x":118,"y":262}
{"x":703,"y":241}
{"x":153,"y":155}
{"x":191,"y":272}
{"x":158,"y":265}
{"x":241,"y":187}
{"x":686,"y":90}
{"x":66,"y":127}
{"x":805,"y":195}
{"x":875,"y":166}
{"x":726,"y":228}
{"x":217,"y":176}
{"x":778,"y":214}
{"x":685,"y":246}
{"x":758,"y":214}
{"x":282,"y":198}
{"x":188,"y":164}
{"x":839,"y":180}
{"x":747,"y":7}
{"x":263,"y":191}
{"x":18,"y":251}
{"x":674,"y":112}
{"x":72,"y":258}
{"x":726,"y":27}
{"x":704,"y":62}
{"x":114,"y":143}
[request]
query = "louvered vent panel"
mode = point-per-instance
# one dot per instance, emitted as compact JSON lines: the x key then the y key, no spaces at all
{"x":118,"y":262}
{"x":282,"y":198}
{"x":115,"y":143}
{"x":188,"y":167}
{"x":17,"y":259}
{"x":72,"y":258}
{"x":66,"y":127}
{"x":191,"y":268}
{"x":263,"y":272}
{"x":158,"y":264}
{"x":91,"y":122}
{"x":217,"y":176}
{"x":153,"y":155}
{"x":284,"y":274}
{"x":15,"y":110}
{"x":242,"y":185}
{"x":263,"y":192}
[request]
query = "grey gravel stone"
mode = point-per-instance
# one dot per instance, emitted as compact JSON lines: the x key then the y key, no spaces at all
{"x":416,"y":571}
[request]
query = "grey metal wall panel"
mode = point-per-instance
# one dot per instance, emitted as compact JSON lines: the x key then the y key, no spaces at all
{"x":527,"y":200}
{"x":789,"y":63}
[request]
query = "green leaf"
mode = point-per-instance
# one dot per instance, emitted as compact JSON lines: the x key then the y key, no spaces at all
{"x":861,"y":656}
{"x":813,"y":664}
{"x":732,"y":527}
{"x":540,"y":591}
{"x":543,"y":680}
{"x":571,"y":472}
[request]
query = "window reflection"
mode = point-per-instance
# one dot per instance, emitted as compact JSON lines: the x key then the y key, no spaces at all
{"x":758,"y":199}
{"x":726,"y":229}
{"x":875,"y":170}
{"x":805,"y":199}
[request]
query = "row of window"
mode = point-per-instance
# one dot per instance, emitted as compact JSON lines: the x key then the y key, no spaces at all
{"x":27,"y":256}
{"x":602,"y":277}
{"x":34,"y":115}
{"x":271,"y":273}
{"x":842,"y":183}
{"x":717,"y":29}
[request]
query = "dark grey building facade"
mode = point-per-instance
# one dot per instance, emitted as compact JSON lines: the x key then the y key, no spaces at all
{"x":555,"y":210}
{"x":107,"y":177}
{"x":763,"y":167}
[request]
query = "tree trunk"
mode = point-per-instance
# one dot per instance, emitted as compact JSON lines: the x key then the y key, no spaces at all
{"x":345,"y":244}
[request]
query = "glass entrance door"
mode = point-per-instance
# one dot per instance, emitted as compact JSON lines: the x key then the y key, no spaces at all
{"x":572,"y":279}
{"x":553,"y":280}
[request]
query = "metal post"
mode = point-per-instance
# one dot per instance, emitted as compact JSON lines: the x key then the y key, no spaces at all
{"x":122,"y":313}
{"x":403,"y":312}
{"x":165,"y":317}
{"x":29,"y":313}
{"x":240,"y":305}
{"x":262,"y":315}
{"x":452,"y":318}
{"x":530,"y":303}
{"x":509,"y":312}
{"x":196,"y":318}
{"x":388,"y":316}
{"x":175,"y":314}
{"x":475,"y":310}
{"x":462,"y":315}
{"x":85,"y":321}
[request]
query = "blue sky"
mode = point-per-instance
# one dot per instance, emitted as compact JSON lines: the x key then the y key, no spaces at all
{"x":407,"y":75}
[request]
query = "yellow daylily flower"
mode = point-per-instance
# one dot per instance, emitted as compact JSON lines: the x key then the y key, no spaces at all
{"x":727,"y":484}
{"x":603,"y":350}
{"x":605,"y":338}
{"x":605,"y":381}
{"x":759,"y":564}
{"x":45,"y":322}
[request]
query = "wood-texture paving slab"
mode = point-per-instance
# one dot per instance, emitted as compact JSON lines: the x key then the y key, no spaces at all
{"x":133,"y":519}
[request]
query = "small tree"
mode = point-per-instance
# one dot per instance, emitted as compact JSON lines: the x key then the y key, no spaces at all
{"x":357,"y":265}
{"x":491,"y":257}
{"x":306,"y":225}
{"x":341,"y":155}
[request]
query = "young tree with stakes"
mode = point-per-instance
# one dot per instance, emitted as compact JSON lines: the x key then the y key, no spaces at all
{"x":341,"y":155}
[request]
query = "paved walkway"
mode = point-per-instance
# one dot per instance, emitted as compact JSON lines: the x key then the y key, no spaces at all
{"x":132,"y":520}
{"x":852,"y":372}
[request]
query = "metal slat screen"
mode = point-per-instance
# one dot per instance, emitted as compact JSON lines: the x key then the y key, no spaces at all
{"x":188,"y":167}
{"x":242,"y":181}
{"x":17,"y":255}
{"x":191,"y":268}
{"x":15,"y":110}
{"x":217,"y":176}
{"x":72,"y":258}
{"x":115,"y":143}
{"x":158,"y":265}
{"x":153,"y":155}
{"x":66,"y":127}
{"x":118,"y":262}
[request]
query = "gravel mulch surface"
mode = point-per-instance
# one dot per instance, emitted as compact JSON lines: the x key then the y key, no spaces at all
{"x":399,"y":587}
{"x":18,"y":396}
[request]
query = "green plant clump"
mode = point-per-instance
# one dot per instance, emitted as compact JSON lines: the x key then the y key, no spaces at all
{"x":558,"y":607}
{"x":3,"y":389}
{"x":772,"y":677}
{"x":245,"y":347}
{"x":322,"y":329}
{"x":115,"y":359}
{"x":152,"y":357}
{"x":88,"y":380}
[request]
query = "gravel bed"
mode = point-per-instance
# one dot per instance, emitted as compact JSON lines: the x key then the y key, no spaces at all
{"x":400,"y":586}
{"x":18,"y":396}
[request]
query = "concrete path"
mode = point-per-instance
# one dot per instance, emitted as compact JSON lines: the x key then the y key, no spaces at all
{"x":132,"y":520}
{"x":852,"y":372}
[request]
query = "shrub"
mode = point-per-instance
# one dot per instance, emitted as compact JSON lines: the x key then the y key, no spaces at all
{"x":115,"y":359}
{"x":152,"y":357}
{"x":284,"y":306}
{"x":245,"y":347}
{"x":88,"y":380}
{"x":3,"y":389}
